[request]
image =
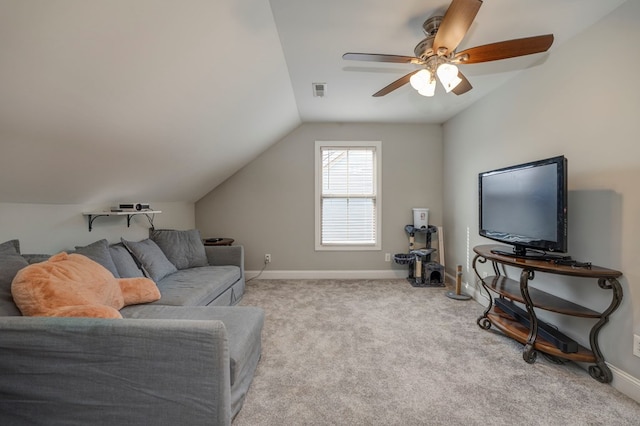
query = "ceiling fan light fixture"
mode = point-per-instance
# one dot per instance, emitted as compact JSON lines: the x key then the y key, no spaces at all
{"x":429,"y":90}
{"x":424,"y":82}
{"x":448,"y":75}
{"x":420,"y":80}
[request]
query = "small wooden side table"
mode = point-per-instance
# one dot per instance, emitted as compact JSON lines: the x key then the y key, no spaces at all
{"x":218,"y":241}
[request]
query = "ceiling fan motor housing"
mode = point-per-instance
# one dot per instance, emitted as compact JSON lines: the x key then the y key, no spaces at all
{"x":424,"y":49}
{"x":431,"y":25}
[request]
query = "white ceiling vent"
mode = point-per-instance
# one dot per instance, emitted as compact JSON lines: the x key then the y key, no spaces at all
{"x":319,"y":89}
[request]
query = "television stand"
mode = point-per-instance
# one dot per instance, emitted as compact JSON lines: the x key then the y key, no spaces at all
{"x":519,"y":291}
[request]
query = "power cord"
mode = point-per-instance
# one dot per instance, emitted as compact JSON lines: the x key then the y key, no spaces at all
{"x":150,"y":218}
{"x":478,"y":290}
{"x":259,"y":273}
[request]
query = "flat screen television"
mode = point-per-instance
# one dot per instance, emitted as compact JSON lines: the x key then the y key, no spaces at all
{"x":525,"y":206}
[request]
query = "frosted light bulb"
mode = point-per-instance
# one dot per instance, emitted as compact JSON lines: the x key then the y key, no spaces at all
{"x":448,"y":75}
{"x":429,"y":89}
{"x":420,"y":80}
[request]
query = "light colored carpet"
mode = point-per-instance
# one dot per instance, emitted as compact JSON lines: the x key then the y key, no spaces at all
{"x":380,"y":352}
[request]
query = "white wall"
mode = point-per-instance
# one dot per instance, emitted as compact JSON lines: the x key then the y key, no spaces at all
{"x":269,"y":207}
{"x":572,"y":104}
{"x":49,"y":228}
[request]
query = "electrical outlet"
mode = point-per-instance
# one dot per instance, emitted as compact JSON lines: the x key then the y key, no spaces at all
{"x":636,"y":345}
{"x":387,"y":257}
{"x":267,"y":258}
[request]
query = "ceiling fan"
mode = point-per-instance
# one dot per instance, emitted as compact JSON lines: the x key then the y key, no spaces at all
{"x":436,"y":54}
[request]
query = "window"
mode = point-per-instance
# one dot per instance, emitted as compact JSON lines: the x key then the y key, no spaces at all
{"x":347,"y":195}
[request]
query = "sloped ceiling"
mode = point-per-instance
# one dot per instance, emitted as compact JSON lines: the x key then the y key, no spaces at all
{"x":146,"y":100}
{"x":162,"y":100}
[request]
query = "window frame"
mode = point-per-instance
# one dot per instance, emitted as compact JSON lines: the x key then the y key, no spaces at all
{"x":377,"y":167}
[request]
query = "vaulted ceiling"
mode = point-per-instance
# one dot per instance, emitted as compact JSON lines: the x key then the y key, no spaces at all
{"x":162,"y":100}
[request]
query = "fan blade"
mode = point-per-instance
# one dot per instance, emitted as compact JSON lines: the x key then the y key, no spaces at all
{"x":505,"y":49}
{"x":374,"y":57}
{"x":463,"y":87}
{"x":455,"y":24}
{"x":395,"y":85}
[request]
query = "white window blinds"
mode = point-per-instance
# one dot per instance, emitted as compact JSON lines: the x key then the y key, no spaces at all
{"x":348,"y":196}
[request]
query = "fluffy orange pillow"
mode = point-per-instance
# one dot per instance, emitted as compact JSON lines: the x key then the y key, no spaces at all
{"x":72,"y":285}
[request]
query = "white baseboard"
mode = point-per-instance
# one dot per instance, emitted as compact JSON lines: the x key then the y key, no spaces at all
{"x":625,"y":383}
{"x":336,"y":275}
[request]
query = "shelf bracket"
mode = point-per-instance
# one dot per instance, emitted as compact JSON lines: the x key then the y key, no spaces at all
{"x":92,"y":217}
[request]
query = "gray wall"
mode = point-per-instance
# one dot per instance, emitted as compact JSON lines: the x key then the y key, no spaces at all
{"x":567,"y":105}
{"x":50,"y":228}
{"x":269,"y":208}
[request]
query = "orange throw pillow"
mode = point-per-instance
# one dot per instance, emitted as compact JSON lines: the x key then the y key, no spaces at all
{"x":72,"y":285}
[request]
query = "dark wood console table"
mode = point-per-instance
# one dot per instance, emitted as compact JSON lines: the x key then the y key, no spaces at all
{"x":218,"y":241}
{"x":532,"y":298}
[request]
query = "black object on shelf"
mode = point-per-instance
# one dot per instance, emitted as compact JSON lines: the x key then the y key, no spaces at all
{"x":550,"y":334}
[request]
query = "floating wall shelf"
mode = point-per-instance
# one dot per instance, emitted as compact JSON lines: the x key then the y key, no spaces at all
{"x":129,"y":214}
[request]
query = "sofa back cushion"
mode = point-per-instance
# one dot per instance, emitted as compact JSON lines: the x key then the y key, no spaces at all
{"x":183,"y":248}
{"x":32,"y":258}
{"x":154,"y":262}
{"x":127,"y":266}
{"x":10,"y":263}
{"x":99,"y":252}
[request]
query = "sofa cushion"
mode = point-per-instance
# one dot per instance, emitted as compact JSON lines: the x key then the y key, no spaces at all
{"x":244,"y":330}
{"x":36,"y":257}
{"x":183,"y":248}
{"x":99,"y":252}
{"x":126,"y":264}
{"x":197,"y":286}
{"x":10,"y":263}
{"x":154,"y":262}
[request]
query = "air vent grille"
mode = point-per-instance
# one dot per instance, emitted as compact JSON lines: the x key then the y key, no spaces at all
{"x":319,"y":89}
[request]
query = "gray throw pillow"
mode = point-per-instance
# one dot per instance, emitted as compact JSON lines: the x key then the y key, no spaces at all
{"x":99,"y":252}
{"x":183,"y":248}
{"x":126,"y":265}
{"x":10,"y":263}
{"x":11,"y":246}
{"x":154,"y":262}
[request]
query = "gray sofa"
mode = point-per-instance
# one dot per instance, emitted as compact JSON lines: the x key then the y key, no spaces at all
{"x":188,"y":358}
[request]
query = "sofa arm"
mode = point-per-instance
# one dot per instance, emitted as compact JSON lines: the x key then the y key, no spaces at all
{"x":225,"y":255}
{"x":80,"y":371}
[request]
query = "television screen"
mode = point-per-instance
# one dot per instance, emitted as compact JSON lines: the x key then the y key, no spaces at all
{"x":525,"y":206}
